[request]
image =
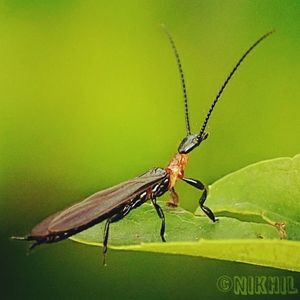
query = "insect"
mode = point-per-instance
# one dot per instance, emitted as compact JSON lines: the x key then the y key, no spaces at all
{"x":114,"y":203}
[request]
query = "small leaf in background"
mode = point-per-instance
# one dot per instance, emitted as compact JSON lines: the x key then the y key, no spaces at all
{"x":258,"y":209}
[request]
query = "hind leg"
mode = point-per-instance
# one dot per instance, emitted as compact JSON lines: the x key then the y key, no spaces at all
{"x":115,"y":218}
{"x":37,"y":241}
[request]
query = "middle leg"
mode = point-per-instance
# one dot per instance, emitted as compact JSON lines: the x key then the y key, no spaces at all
{"x":162,"y":217}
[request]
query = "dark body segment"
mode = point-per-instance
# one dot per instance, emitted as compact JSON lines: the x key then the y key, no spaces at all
{"x":101,"y":205}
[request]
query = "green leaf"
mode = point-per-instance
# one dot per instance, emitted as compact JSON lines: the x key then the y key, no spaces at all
{"x":267,"y":192}
{"x":258,"y":210}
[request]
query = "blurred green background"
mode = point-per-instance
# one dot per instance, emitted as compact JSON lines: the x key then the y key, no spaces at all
{"x":90,"y":96}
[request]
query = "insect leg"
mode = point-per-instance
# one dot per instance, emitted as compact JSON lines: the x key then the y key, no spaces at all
{"x":36,"y":243}
{"x":105,"y":239}
{"x":173,"y":202}
{"x":200,"y":186}
{"x":29,"y":238}
{"x":162,"y":217}
{"x":116,"y":217}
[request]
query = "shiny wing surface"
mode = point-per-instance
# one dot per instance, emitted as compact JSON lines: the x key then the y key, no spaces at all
{"x":97,"y":205}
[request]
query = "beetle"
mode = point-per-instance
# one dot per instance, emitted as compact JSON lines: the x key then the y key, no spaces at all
{"x":114,"y":203}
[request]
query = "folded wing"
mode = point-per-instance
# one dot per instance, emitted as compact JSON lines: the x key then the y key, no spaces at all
{"x":98,"y":206}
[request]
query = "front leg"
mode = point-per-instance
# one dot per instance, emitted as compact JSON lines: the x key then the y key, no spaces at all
{"x":173,"y":202}
{"x":200,"y":186}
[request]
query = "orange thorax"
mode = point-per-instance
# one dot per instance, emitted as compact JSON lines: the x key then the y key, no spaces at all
{"x":176,"y":168}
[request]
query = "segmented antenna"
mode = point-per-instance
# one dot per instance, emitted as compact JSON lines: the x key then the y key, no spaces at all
{"x":185,"y":97}
{"x":228,"y":78}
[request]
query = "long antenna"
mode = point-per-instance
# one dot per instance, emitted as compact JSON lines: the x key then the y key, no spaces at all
{"x":185,"y":97}
{"x":228,"y":78}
